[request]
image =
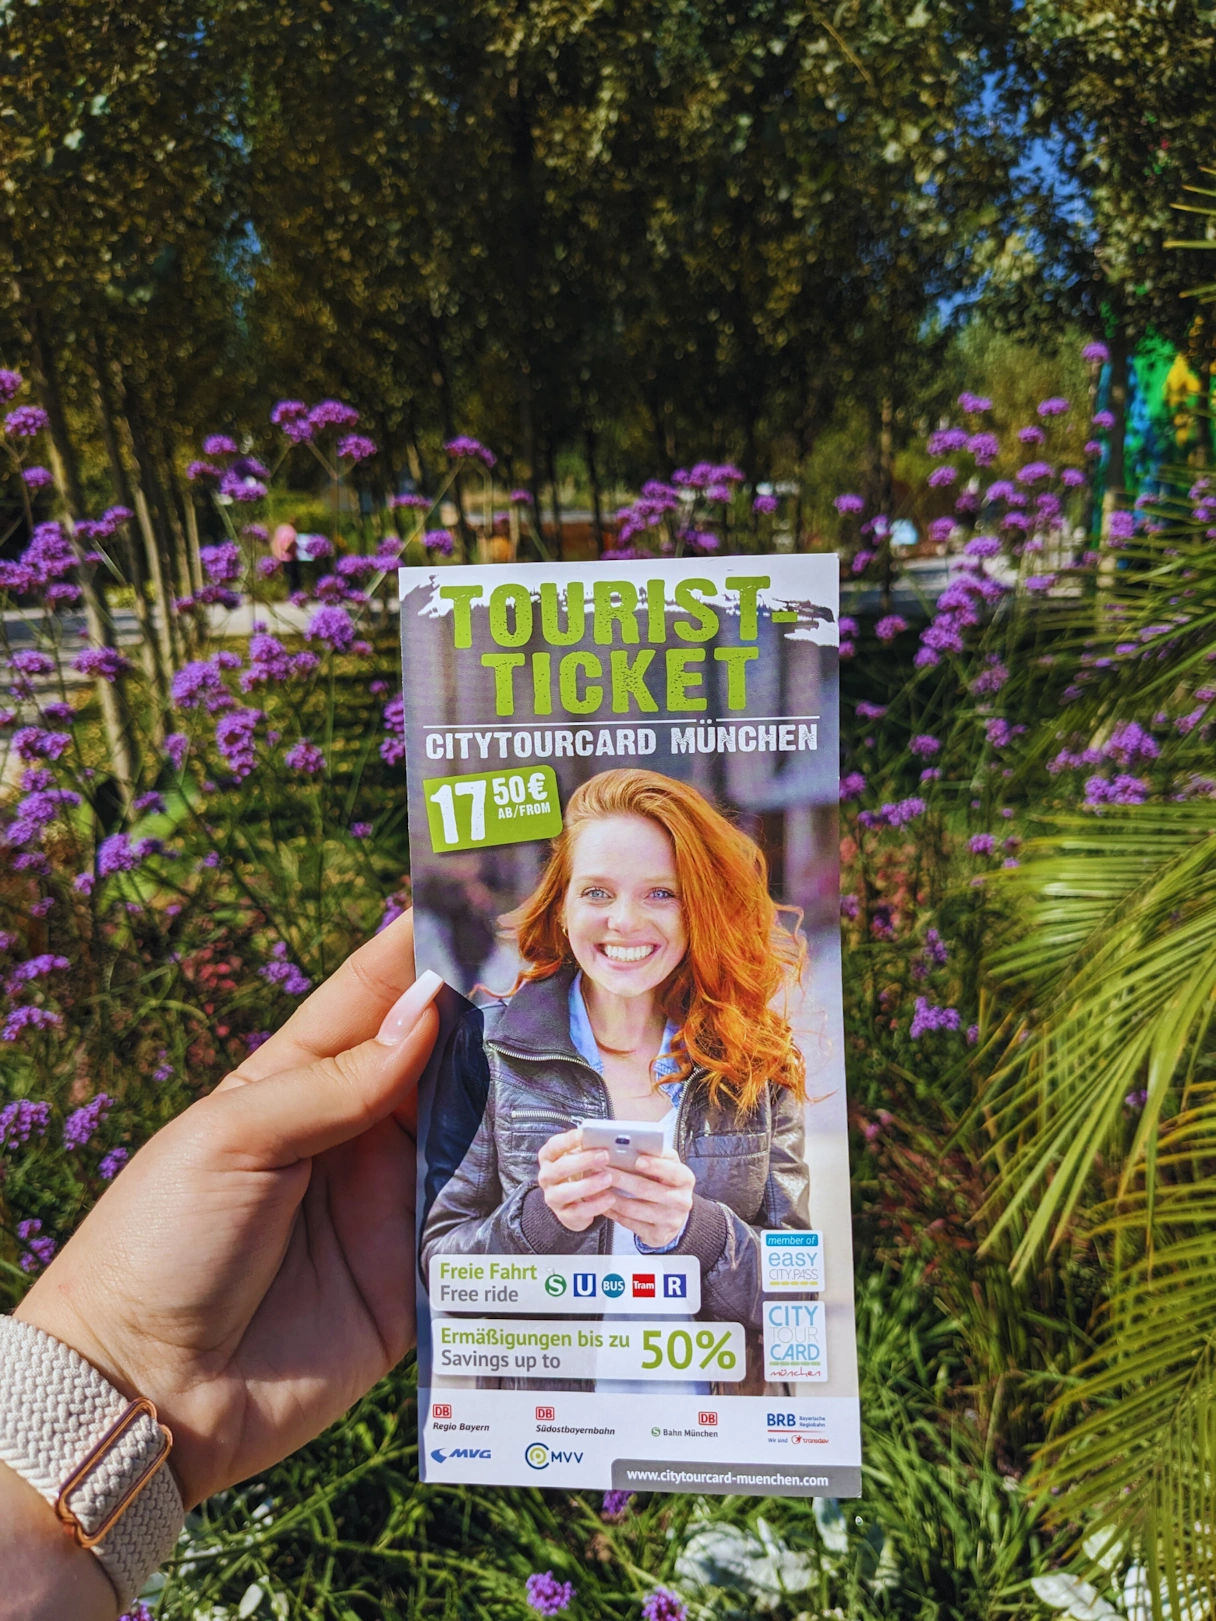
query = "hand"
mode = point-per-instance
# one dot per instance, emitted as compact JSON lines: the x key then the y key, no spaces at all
{"x":252,"y":1269}
{"x":657,"y":1198}
{"x":575,"y":1181}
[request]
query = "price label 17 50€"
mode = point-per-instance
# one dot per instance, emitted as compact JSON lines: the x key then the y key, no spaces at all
{"x":492,"y":807}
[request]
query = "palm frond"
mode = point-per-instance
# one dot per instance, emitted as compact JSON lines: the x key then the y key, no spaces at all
{"x":1120,"y":961}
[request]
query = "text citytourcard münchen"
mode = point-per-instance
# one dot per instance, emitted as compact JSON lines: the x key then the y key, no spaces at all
{"x":634,"y":1254}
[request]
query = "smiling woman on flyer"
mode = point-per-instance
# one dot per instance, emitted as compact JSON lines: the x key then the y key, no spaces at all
{"x":653,"y":953}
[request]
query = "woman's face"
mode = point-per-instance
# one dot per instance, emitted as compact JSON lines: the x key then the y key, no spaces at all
{"x":623,"y":912}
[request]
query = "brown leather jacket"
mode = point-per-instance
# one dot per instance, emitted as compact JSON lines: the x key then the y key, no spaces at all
{"x":513,"y":1069}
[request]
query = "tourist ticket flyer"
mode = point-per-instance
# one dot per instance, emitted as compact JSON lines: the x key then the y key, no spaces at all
{"x":634,"y":1248}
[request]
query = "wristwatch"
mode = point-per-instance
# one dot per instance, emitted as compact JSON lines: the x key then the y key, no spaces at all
{"x":97,"y":1458}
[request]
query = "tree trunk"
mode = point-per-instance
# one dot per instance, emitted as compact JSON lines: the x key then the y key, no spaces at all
{"x":196,"y":561}
{"x":112,"y":697}
{"x":886,"y":491}
{"x":593,"y":479}
{"x":150,"y":651}
{"x":1116,"y":473}
{"x":128,"y":425}
{"x":554,"y":497}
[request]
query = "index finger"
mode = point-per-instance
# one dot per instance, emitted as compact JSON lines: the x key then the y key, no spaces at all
{"x":564,"y":1143}
{"x":343,"y":1011}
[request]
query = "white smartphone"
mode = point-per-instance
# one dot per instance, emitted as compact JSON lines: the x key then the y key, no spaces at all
{"x":624,"y":1140}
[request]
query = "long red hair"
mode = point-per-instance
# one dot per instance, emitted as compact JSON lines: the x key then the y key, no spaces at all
{"x":739,"y":954}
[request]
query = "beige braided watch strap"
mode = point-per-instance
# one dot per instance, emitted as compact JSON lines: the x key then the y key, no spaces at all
{"x":97,"y":1458}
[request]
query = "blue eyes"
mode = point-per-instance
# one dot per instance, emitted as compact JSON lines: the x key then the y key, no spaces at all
{"x":654,"y":895}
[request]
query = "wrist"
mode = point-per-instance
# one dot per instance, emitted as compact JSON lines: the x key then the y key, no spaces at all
{"x":46,"y":1575}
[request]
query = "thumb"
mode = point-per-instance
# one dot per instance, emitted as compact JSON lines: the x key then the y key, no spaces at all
{"x":304,"y":1110}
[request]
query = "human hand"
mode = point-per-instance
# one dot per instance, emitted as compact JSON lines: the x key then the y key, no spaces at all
{"x":252,"y":1269}
{"x":575,"y":1181}
{"x":655,"y":1200}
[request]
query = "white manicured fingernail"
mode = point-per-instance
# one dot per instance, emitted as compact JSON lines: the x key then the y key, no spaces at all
{"x":409,"y":1008}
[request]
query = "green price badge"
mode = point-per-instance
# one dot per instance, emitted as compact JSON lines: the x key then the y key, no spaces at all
{"x":492,"y":807}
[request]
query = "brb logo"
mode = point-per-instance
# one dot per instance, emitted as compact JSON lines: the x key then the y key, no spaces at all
{"x":782,"y":1421}
{"x":440,"y":1456}
{"x":441,"y":1409}
{"x":539,"y":1456}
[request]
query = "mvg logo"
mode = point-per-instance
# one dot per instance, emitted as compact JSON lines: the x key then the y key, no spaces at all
{"x":440,"y":1456}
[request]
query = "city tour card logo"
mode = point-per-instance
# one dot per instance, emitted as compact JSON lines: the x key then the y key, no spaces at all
{"x":441,"y":1409}
{"x":540,"y":1456}
{"x":555,"y":1284}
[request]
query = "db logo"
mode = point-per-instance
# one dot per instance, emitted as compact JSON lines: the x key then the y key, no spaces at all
{"x":442,"y":1409}
{"x":707,"y":1421}
{"x":545,"y":1415}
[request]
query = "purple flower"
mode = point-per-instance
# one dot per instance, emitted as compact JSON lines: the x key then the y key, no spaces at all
{"x":356,"y":447}
{"x":614,"y":1506}
{"x":31,"y":662}
{"x":850,"y":906}
{"x":1129,"y":742}
{"x":862,"y":561}
{"x":392,"y":750}
{"x":268,"y":661}
{"x":664,"y":1605}
{"x":116,"y":854}
{"x":520,"y":498}
{"x":32,"y":743}
{"x":849,"y":503}
{"x":947,"y":440}
{"x":905,"y":811}
{"x":332,"y":625}
{"x":1040,"y":582}
{"x":424,"y":501}
{"x":889,"y":627}
{"x":286,"y":411}
{"x":234,"y":738}
{"x":177,"y":746}
{"x":1124,"y":790}
{"x":198,"y":681}
{"x":868,"y":711}
{"x":981,"y":844}
{"x":940,"y":530}
{"x":852,"y":786}
{"x":974,"y":403}
{"x":1031,"y":436}
{"x":139,"y":1611}
{"x":462,"y":445}
{"x":982,"y":546}
{"x":1054,"y":407}
{"x":928,"y":1017}
{"x":20,"y":1120}
{"x":358,"y":568}
{"x":285,"y":974}
{"x":992,"y":678}
{"x":83,"y":883}
{"x":438,"y":540}
{"x":221,"y":563}
{"x":37,"y":478}
{"x":82,"y":1123}
{"x":1096,"y":353}
{"x":304,"y":757}
{"x":1121,"y":526}
{"x":765,"y":505}
{"x":36,"y":968}
{"x":985,"y":447}
{"x":1103,"y":419}
{"x":924,"y":746}
{"x":360,"y":830}
{"x":103,"y":663}
{"x":546,"y":1595}
{"x":219,"y":444}
{"x":242,"y":486}
{"x":40,"y":1250}
{"x":201,"y":470}
{"x":112,"y":1163}
{"x":333,"y":414}
{"x":25,"y":422}
{"x":1033,"y":472}
{"x":11,"y":383}
{"x":941,"y":476}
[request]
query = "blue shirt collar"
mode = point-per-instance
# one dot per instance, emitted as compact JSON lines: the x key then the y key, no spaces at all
{"x":583,"y":1037}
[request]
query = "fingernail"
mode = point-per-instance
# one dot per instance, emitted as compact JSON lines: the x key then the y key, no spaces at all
{"x":409,"y":1008}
